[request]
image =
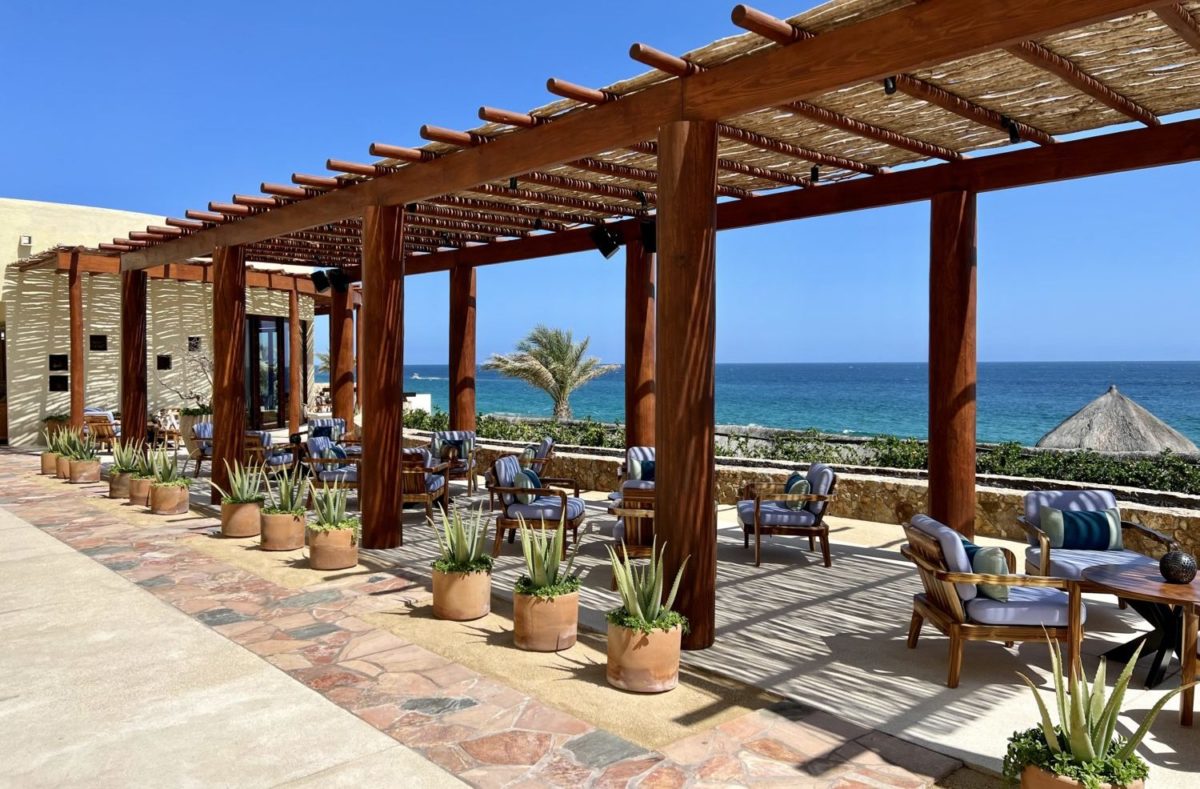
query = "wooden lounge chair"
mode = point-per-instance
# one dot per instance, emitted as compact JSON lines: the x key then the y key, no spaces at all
{"x":102,"y":428}
{"x":633,"y":532}
{"x":550,"y":503}
{"x":763,"y":509}
{"x":542,"y":454}
{"x":324,"y":469}
{"x":259,"y":451}
{"x":463,"y":465}
{"x":423,"y":481}
{"x":1038,"y":608}
{"x":200,"y":446}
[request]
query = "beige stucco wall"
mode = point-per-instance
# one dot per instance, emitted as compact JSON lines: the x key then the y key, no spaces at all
{"x":37,"y":327}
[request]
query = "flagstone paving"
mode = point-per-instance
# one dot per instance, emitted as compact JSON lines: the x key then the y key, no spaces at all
{"x":484,"y":732}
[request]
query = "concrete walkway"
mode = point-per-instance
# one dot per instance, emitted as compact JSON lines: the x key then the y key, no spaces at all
{"x":104,"y":685}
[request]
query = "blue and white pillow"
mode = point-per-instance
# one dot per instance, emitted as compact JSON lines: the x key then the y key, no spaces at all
{"x":528,"y":479}
{"x":797,"y":483}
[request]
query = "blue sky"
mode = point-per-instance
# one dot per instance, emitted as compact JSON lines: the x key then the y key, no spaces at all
{"x":160,"y":108}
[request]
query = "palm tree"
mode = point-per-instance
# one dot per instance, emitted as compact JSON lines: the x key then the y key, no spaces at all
{"x":323,"y":364}
{"x":552,"y":361}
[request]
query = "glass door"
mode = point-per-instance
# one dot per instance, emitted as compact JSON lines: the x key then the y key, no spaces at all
{"x":266,"y":372}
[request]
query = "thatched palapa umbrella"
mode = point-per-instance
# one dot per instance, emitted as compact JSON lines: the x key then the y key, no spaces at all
{"x":1114,"y":423}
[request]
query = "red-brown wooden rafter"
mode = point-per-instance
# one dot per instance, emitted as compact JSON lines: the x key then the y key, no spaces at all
{"x":1039,"y":56}
{"x":1182,"y":22}
{"x":783,"y":32}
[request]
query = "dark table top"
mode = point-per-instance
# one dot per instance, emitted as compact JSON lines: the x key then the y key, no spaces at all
{"x":1143,"y":582}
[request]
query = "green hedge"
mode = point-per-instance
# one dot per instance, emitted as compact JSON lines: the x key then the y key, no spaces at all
{"x":1167,"y":471}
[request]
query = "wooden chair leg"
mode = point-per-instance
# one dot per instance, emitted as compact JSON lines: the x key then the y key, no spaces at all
{"x":745,"y":536}
{"x":499,"y":539}
{"x":811,"y":540}
{"x":914,"y":629}
{"x":956,"y":656}
{"x":757,"y":544}
{"x":824,"y":538}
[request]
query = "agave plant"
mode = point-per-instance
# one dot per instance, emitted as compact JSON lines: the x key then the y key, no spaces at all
{"x":287,"y":495}
{"x":642,"y":605}
{"x":245,"y":484}
{"x":329,"y":504}
{"x":461,"y":544}
{"x":68,"y":441}
{"x":1084,"y":746}
{"x":127,"y":457}
{"x":144,"y":465}
{"x":545,"y":573}
{"x":84,"y":448}
{"x":165,"y":469}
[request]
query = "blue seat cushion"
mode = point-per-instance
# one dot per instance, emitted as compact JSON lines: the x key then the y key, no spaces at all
{"x":434,"y":482}
{"x":637,"y":484}
{"x":1027,"y":605}
{"x":341,"y":474}
{"x":279,"y":459}
{"x":1070,"y":563}
{"x":773,"y":513}
{"x":548,"y":508}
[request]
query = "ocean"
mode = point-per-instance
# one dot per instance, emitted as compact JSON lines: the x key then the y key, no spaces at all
{"x":1018,"y":401}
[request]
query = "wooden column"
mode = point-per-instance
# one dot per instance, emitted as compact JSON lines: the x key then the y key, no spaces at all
{"x":133,"y":355}
{"x":462,"y":348}
{"x":639,"y":343}
{"x":686,"y":342}
{"x":229,"y":365}
{"x":295,"y":363}
{"x":75,"y":314}
{"x":359,"y":356}
{"x":952,"y":358}
{"x":341,"y":355}
{"x":383,"y":384}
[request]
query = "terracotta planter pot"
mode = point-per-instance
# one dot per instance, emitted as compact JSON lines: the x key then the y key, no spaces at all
{"x":62,"y":467}
{"x":643,"y":662}
{"x":332,"y":550}
{"x":118,"y":484}
{"x":83,"y":471}
{"x":241,"y":520}
{"x":139,"y":491}
{"x":50,"y":463}
{"x":542,"y":625}
{"x":461,"y":596}
{"x":169,"y":499}
{"x":1037,"y":778}
{"x":282,"y":532}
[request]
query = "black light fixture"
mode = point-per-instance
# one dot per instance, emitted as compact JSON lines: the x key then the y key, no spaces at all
{"x":649,"y":231}
{"x":641,"y":196}
{"x":338,"y":280}
{"x":537,"y":223}
{"x":320,"y":281}
{"x":889,"y":85}
{"x":814,"y":174}
{"x":1014,"y":131}
{"x":411,"y":208}
{"x":512,"y":182}
{"x":607,"y":241}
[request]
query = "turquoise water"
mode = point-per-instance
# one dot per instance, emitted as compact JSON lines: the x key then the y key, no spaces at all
{"x":1018,"y":401}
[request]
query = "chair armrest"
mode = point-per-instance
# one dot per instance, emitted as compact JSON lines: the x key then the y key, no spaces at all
{"x":1151,"y":534}
{"x":563,"y":482}
{"x":346,"y":461}
{"x":1042,"y":581}
{"x":1043,"y":541}
{"x":440,"y":468}
{"x":761,"y":497}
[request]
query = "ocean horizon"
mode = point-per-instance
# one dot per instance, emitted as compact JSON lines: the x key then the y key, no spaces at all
{"x":1017,"y":401}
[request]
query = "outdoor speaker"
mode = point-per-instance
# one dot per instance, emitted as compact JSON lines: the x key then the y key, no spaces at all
{"x":649,"y":230}
{"x":605,"y":240}
{"x":338,"y":279}
{"x":320,"y":281}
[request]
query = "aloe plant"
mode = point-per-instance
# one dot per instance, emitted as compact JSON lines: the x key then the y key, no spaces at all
{"x":287,"y":494}
{"x":85,"y":448}
{"x":461,"y":544}
{"x":245,"y":484}
{"x":165,"y":469}
{"x":329,"y":504}
{"x":144,"y":465}
{"x":1084,"y":745}
{"x":127,"y":457}
{"x":642,"y":605}
{"x":545,"y":574}
{"x":68,"y":441}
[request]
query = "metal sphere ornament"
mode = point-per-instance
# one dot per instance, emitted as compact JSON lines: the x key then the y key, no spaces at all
{"x":1178,"y":567}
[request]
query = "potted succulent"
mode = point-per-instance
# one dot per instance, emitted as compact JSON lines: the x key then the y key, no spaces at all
{"x":141,"y":479}
{"x":333,"y":536}
{"x":84,"y":462}
{"x":546,"y":597}
{"x":169,"y":494}
{"x":241,"y":505}
{"x":68,"y":440}
{"x":127,"y":460}
{"x":283,"y":518}
{"x":50,"y":455}
{"x":644,"y":634}
{"x":462,"y":573}
{"x":56,"y":422}
{"x":1084,"y":749}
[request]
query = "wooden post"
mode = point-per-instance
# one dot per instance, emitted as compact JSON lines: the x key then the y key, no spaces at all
{"x":75,"y":313}
{"x":952,"y":359}
{"x":133,"y":355}
{"x":462,"y":348}
{"x":295,"y":363}
{"x":383,"y":388}
{"x":359,"y":356}
{"x":685,"y":377}
{"x":341,"y":355}
{"x":229,"y":364}
{"x":639,"y":343}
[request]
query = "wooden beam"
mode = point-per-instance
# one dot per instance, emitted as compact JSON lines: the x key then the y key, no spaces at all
{"x":383,"y":390}
{"x":952,"y":361}
{"x":229,"y":365}
{"x":78,"y":376}
{"x":134,"y":401}
{"x":640,"y":315}
{"x":1179,"y":19}
{"x":341,"y":356}
{"x":462,"y":348}
{"x":685,"y":369}
{"x":881,"y":46}
{"x":1041,"y":57}
{"x":928,"y":92}
{"x":296,"y":369}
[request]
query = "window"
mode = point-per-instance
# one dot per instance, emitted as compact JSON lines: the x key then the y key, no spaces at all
{"x":98,"y":342}
{"x":194,"y":344}
{"x":59,"y":362}
{"x":163,"y":362}
{"x":60,"y":383}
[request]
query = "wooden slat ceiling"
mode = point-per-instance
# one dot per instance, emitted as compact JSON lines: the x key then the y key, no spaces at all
{"x":1137,"y":69}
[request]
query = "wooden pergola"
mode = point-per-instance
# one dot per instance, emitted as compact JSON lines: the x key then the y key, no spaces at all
{"x":855,"y":104}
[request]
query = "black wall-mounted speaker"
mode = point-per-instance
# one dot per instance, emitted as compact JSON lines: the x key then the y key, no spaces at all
{"x":320,"y":281}
{"x":339,"y":280}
